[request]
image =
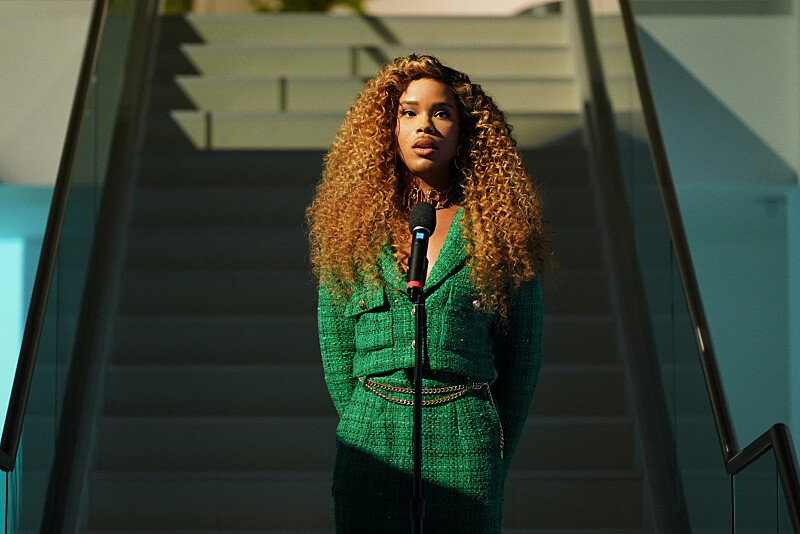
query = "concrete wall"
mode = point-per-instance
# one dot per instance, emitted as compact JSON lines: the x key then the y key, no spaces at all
{"x":728,"y":96}
{"x":41,"y":45}
{"x":749,"y":63}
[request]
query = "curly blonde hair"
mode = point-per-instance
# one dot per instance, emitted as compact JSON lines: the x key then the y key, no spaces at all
{"x":359,"y":204}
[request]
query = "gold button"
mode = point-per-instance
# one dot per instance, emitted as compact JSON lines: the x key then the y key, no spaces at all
{"x":362,"y":304}
{"x":476,"y":304}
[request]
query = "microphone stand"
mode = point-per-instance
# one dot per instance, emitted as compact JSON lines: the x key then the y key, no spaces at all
{"x":421,"y":223}
{"x":420,"y":323}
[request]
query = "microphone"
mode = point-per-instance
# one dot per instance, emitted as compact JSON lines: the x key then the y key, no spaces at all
{"x":421,"y":223}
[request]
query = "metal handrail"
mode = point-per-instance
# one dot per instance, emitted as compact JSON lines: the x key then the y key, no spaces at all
{"x":9,"y":443}
{"x":777,"y":438}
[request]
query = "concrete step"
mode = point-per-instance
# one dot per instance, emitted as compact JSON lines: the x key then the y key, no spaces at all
{"x":292,"y":500}
{"x":294,"y":292}
{"x":208,"y":248}
{"x":241,"y":168}
{"x":218,"y":292}
{"x":262,"y":340}
{"x":299,"y":390}
{"x":286,"y":247}
{"x":302,"y":28}
{"x":198,"y":130}
{"x":550,"y":167}
{"x":331,"y":531}
{"x":267,"y":206}
{"x":306,"y":444}
{"x":336,"y":61}
{"x":284,"y":206}
{"x":241,"y":93}
{"x":558,"y":500}
{"x":218,"y":500}
{"x":217,"y":339}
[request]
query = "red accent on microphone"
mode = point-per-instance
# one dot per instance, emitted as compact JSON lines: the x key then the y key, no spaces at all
{"x":414,"y":283}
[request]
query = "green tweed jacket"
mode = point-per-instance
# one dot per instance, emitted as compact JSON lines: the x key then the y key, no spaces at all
{"x":372,"y":333}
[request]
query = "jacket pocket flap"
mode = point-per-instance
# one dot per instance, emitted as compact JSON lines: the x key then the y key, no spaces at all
{"x":365,"y":300}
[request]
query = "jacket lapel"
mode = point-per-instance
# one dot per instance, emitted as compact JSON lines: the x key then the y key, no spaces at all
{"x":450,"y":258}
{"x":452,"y":254}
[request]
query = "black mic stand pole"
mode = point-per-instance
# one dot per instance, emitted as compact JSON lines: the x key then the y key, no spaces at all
{"x":421,"y":223}
{"x":420,"y":323}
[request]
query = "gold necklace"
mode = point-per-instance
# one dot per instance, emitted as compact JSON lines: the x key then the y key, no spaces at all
{"x":439,"y":199}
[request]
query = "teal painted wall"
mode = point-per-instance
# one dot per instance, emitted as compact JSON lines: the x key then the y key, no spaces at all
{"x":23,"y":215}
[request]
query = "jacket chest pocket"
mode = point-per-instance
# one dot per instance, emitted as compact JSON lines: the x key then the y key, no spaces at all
{"x":373,"y":319}
{"x":465,"y":325}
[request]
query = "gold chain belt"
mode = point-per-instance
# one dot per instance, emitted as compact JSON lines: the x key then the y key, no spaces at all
{"x":451,"y":393}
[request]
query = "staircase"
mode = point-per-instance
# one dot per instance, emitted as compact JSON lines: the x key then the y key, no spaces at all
{"x":216,"y":416}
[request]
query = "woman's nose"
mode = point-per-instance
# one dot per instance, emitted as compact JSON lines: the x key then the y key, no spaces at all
{"x":425,"y":124}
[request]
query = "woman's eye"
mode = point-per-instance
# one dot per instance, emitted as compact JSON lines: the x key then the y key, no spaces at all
{"x":442,"y":114}
{"x":407,"y":113}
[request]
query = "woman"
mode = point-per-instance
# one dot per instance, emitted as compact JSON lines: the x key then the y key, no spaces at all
{"x":422,"y":131}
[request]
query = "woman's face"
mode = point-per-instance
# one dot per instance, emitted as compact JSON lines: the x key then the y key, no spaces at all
{"x":427,"y":131}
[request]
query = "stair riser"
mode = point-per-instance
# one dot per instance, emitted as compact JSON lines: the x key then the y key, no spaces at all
{"x":197,"y":130}
{"x":300,"y":29}
{"x":261,"y":340}
{"x":285,"y":206}
{"x":301,"y":445}
{"x":229,"y":340}
{"x":234,"y":93}
{"x":599,"y":503}
{"x":303,"y":167}
{"x":294,"y":292}
{"x":222,"y":207}
{"x":263,"y":247}
{"x":340,"y":61}
{"x":300,"y":502}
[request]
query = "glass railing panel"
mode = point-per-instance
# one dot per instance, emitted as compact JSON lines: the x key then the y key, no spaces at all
{"x":702,"y":488}
{"x":785,"y":525}
{"x":757,"y":495}
{"x":29,"y":481}
{"x":699,"y":461}
{"x":734,"y":177}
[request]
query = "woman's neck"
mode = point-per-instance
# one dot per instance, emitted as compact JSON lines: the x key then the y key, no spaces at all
{"x":439,"y":183}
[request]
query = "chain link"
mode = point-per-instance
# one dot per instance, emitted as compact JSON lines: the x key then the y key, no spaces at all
{"x":451,"y":393}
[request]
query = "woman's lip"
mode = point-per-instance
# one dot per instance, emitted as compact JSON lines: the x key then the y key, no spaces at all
{"x":424,"y":143}
{"x":423,"y":150}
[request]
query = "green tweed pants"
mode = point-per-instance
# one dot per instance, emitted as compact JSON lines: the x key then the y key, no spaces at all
{"x":463,"y":474}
